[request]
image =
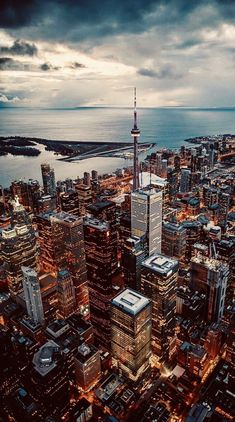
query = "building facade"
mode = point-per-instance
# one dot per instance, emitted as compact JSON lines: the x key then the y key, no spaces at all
{"x":131,"y":332}
{"x":146,"y":218}
{"x":159,"y":282}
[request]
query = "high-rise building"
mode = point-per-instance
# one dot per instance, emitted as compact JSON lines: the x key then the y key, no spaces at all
{"x":71,"y":250}
{"x":48,"y":179}
{"x":146,"y":218}
{"x":48,"y":380}
{"x":32,"y":295}
{"x":69,"y":202}
{"x":101,"y":259}
{"x":84,"y":197}
{"x":159,"y":282}
{"x":210,"y":276}
{"x":18,"y":248}
{"x":87,"y":179}
{"x":62,"y":247}
{"x":87,"y":366}
{"x":65,"y":294}
{"x":131,"y":332}
{"x":135,"y":133}
{"x":133,"y":254}
{"x":185,"y":180}
{"x":173,"y":240}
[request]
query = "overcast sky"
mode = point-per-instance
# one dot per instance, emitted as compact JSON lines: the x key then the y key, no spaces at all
{"x":68,"y":53}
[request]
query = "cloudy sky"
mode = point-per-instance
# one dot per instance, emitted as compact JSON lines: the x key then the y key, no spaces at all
{"x":67,"y":53}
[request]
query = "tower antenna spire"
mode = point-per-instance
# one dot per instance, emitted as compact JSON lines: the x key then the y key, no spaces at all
{"x":135,"y":133}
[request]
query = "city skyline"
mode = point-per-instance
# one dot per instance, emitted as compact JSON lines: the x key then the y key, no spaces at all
{"x":69,"y":54}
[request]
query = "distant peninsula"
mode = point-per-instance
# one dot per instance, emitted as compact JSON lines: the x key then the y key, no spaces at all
{"x":18,"y":146}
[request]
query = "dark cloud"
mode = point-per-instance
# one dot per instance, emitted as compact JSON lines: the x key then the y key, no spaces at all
{"x":75,"y":20}
{"x":167,"y":71}
{"x":7,"y":63}
{"x":20,"y":48}
{"x":48,"y":66}
{"x":77,"y":65}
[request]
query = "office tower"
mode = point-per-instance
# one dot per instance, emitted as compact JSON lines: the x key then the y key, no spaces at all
{"x":177,"y":163}
{"x":46,"y":203}
{"x":48,"y":179}
{"x":18,"y":248}
{"x":159,"y":282}
{"x":49,"y":237}
{"x":107,"y":210}
{"x":62,"y":247}
{"x":225,"y":250}
{"x":27,"y":192}
{"x":94,"y":175}
{"x":131,"y":332}
{"x":173,"y":240}
{"x":164,"y":164}
{"x":32,"y":295}
{"x":172,"y":179}
{"x":146,"y":218}
{"x":210,"y":276}
{"x":133,"y":255}
{"x":135,"y":133}
{"x":69,"y":202}
{"x":87,"y":366}
{"x":101,"y":259}
{"x":84,"y":197}
{"x":87,"y":179}
{"x":210,"y":195}
{"x":81,"y":411}
{"x":185,"y":181}
{"x":48,"y":380}
{"x":65,"y":294}
{"x":70,"y":250}
{"x":193,"y":235}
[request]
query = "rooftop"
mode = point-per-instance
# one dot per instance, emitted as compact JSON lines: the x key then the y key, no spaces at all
{"x":96,"y":223}
{"x":85,"y":352}
{"x":161,"y":264}
{"x":44,"y":360}
{"x":130,"y":301}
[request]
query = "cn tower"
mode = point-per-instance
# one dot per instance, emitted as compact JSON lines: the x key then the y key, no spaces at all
{"x":135,"y":133}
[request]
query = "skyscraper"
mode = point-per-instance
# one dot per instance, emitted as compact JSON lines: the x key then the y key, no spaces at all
{"x":48,"y":179}
{"x":18,"y":248}
{"x":71,"y":255}
{"x":210,"y":276}
{"x":133,"y":255}
{"x":131,"y":332}
{"x":66,"y":294}
{"x":159,"y":282}
{"x":101,"y":259}
{"x":185,"y":181}
{"x":135,"y":133}
{"x":173,"y":240}
{"x":62,"y":247}
{"x":32,"y":295}
{"x":146,"y":218}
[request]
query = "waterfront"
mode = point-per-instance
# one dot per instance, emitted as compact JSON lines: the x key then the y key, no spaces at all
{"x":168,"y":127}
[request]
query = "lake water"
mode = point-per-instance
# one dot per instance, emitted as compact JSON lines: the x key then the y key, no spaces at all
{"x":167,"y":127}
